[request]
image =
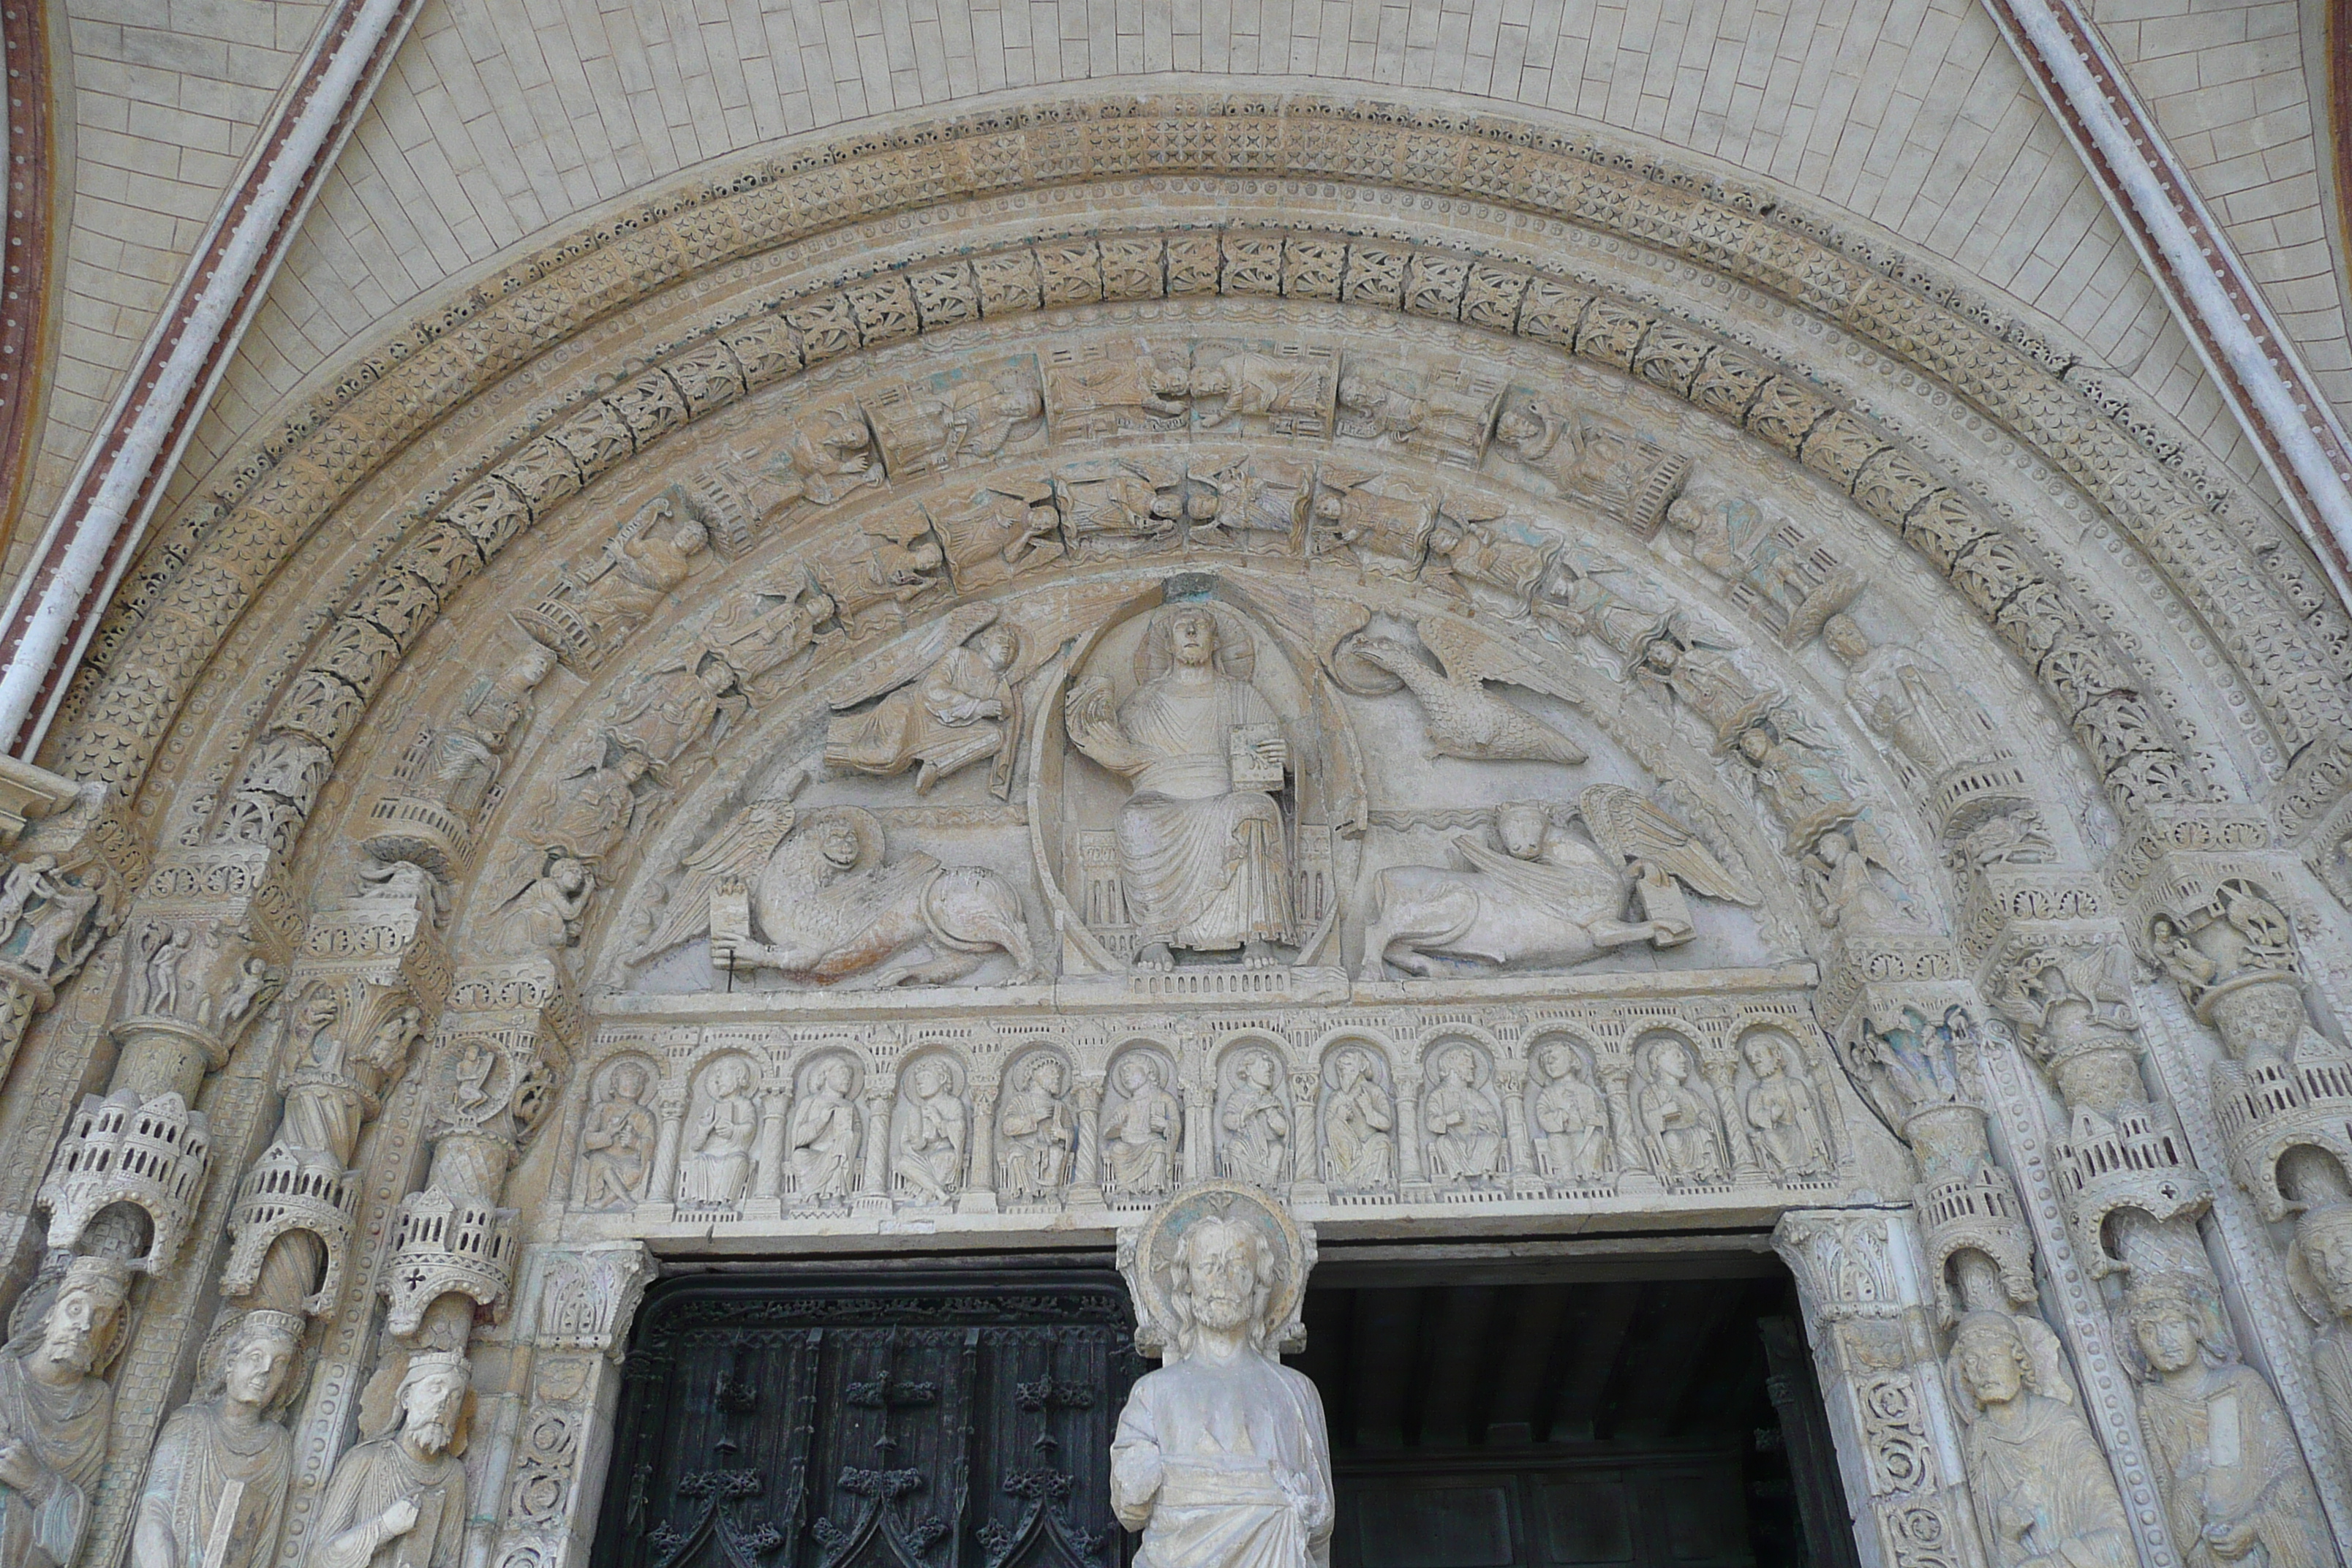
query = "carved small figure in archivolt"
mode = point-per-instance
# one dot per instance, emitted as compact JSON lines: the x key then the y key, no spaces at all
{"x":1546,"y":900}
{"x":1222,"y":1458}
{"x":587,"y":613}
{"x":811,"y":895}
{"x":1204,"y":855}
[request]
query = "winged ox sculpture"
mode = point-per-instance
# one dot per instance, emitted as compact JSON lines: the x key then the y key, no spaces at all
{"x":1544,"y":899}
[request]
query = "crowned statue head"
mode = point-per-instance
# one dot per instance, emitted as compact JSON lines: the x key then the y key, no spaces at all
{"x":76,"y":1335}
{"x":1220,"y":1261}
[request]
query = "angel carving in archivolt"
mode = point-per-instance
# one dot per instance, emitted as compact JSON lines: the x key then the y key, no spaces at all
{"x":1544,"y":900}
{"x":811,"y":894}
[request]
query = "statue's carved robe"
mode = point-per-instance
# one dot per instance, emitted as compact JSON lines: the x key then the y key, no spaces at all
{"x":1203,"y":864}
{"x":65,"y":1429}
{"x":2231,"y":1457}
{"x":2046,"y":1490}
{"x":366,"y":1483}
{"x":1224,"y":1466}
{"x":196,"y":1462}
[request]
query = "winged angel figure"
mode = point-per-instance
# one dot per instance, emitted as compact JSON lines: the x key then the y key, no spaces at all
{"x":1545,"y":901}
{"x":949,"y":698}
{"x":809,"y":894}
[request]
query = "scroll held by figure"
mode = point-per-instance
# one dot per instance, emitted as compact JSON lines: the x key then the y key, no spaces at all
{"x":1222,"y":1460}
{"x":1204,"y":853}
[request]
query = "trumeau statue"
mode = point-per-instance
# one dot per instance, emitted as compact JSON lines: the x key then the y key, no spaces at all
{"x":1222,"y":1458}
{"x":824,"y":906}
{"x":398,"y":1500}
{"x":216,"y":1481}
{"x":2041,"y":1485}
{"x":54,"y":1416}
{"x":1202,"y":850}
{"x":1547,"y":901}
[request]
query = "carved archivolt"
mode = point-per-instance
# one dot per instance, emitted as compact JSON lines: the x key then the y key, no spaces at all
{"x":201,"y":585}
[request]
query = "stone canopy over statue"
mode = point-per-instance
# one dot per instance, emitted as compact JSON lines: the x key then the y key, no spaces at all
{"x":1222,"y":1458}
{"x":1203,"y":857}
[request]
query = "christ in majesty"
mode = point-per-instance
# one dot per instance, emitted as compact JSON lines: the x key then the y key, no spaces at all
{"x":1203,"y":857}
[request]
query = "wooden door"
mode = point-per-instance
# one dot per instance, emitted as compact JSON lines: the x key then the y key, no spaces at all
{"x":935,"y":1420}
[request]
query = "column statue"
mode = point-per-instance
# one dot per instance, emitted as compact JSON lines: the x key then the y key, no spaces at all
{"x":54,"y":1416}
{"x":216,"y":1481}
{"x":399,"y":1502}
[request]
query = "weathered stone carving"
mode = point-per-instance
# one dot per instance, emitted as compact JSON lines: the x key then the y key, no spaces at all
{"x":1462,"y":717}
{"x":1358,"y":1122}
{"x":616,"y":1145}
{"x":825,"y":1134}
{"x":1202,"y":850}
{"x":1217,"y":1275}
{"x":1682,"y":1128}
{"x":947,"y":701}
{"x":593,"y":608}
{"x":715,"y":1163}
{"x":1569,"y":1115}
{"x":2234,"y":1485}
{"x":447,"y":778}
{"x":997,"y":534}
{"x":1036,"y":1130}
{"x":216,"y":1481}
{"x":2042,"y":1486}
{"x":55,"y":1411}
{"x":809,"y":894}
{"x":1547,"y":901}
{"x":1141,"y":1123}
{"x":1252,"y":1119}
{"x":931,"y":1126}
{"x":1784,"y":1118}
{"x":1463,"y":1120}
{"x":546,"y":914}
{"x":398,"y":1500}
{"x":1602,"y":464}
{"x":668,"y":709}
{"x":970,"y":415}
{"x":1773,"y":569}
